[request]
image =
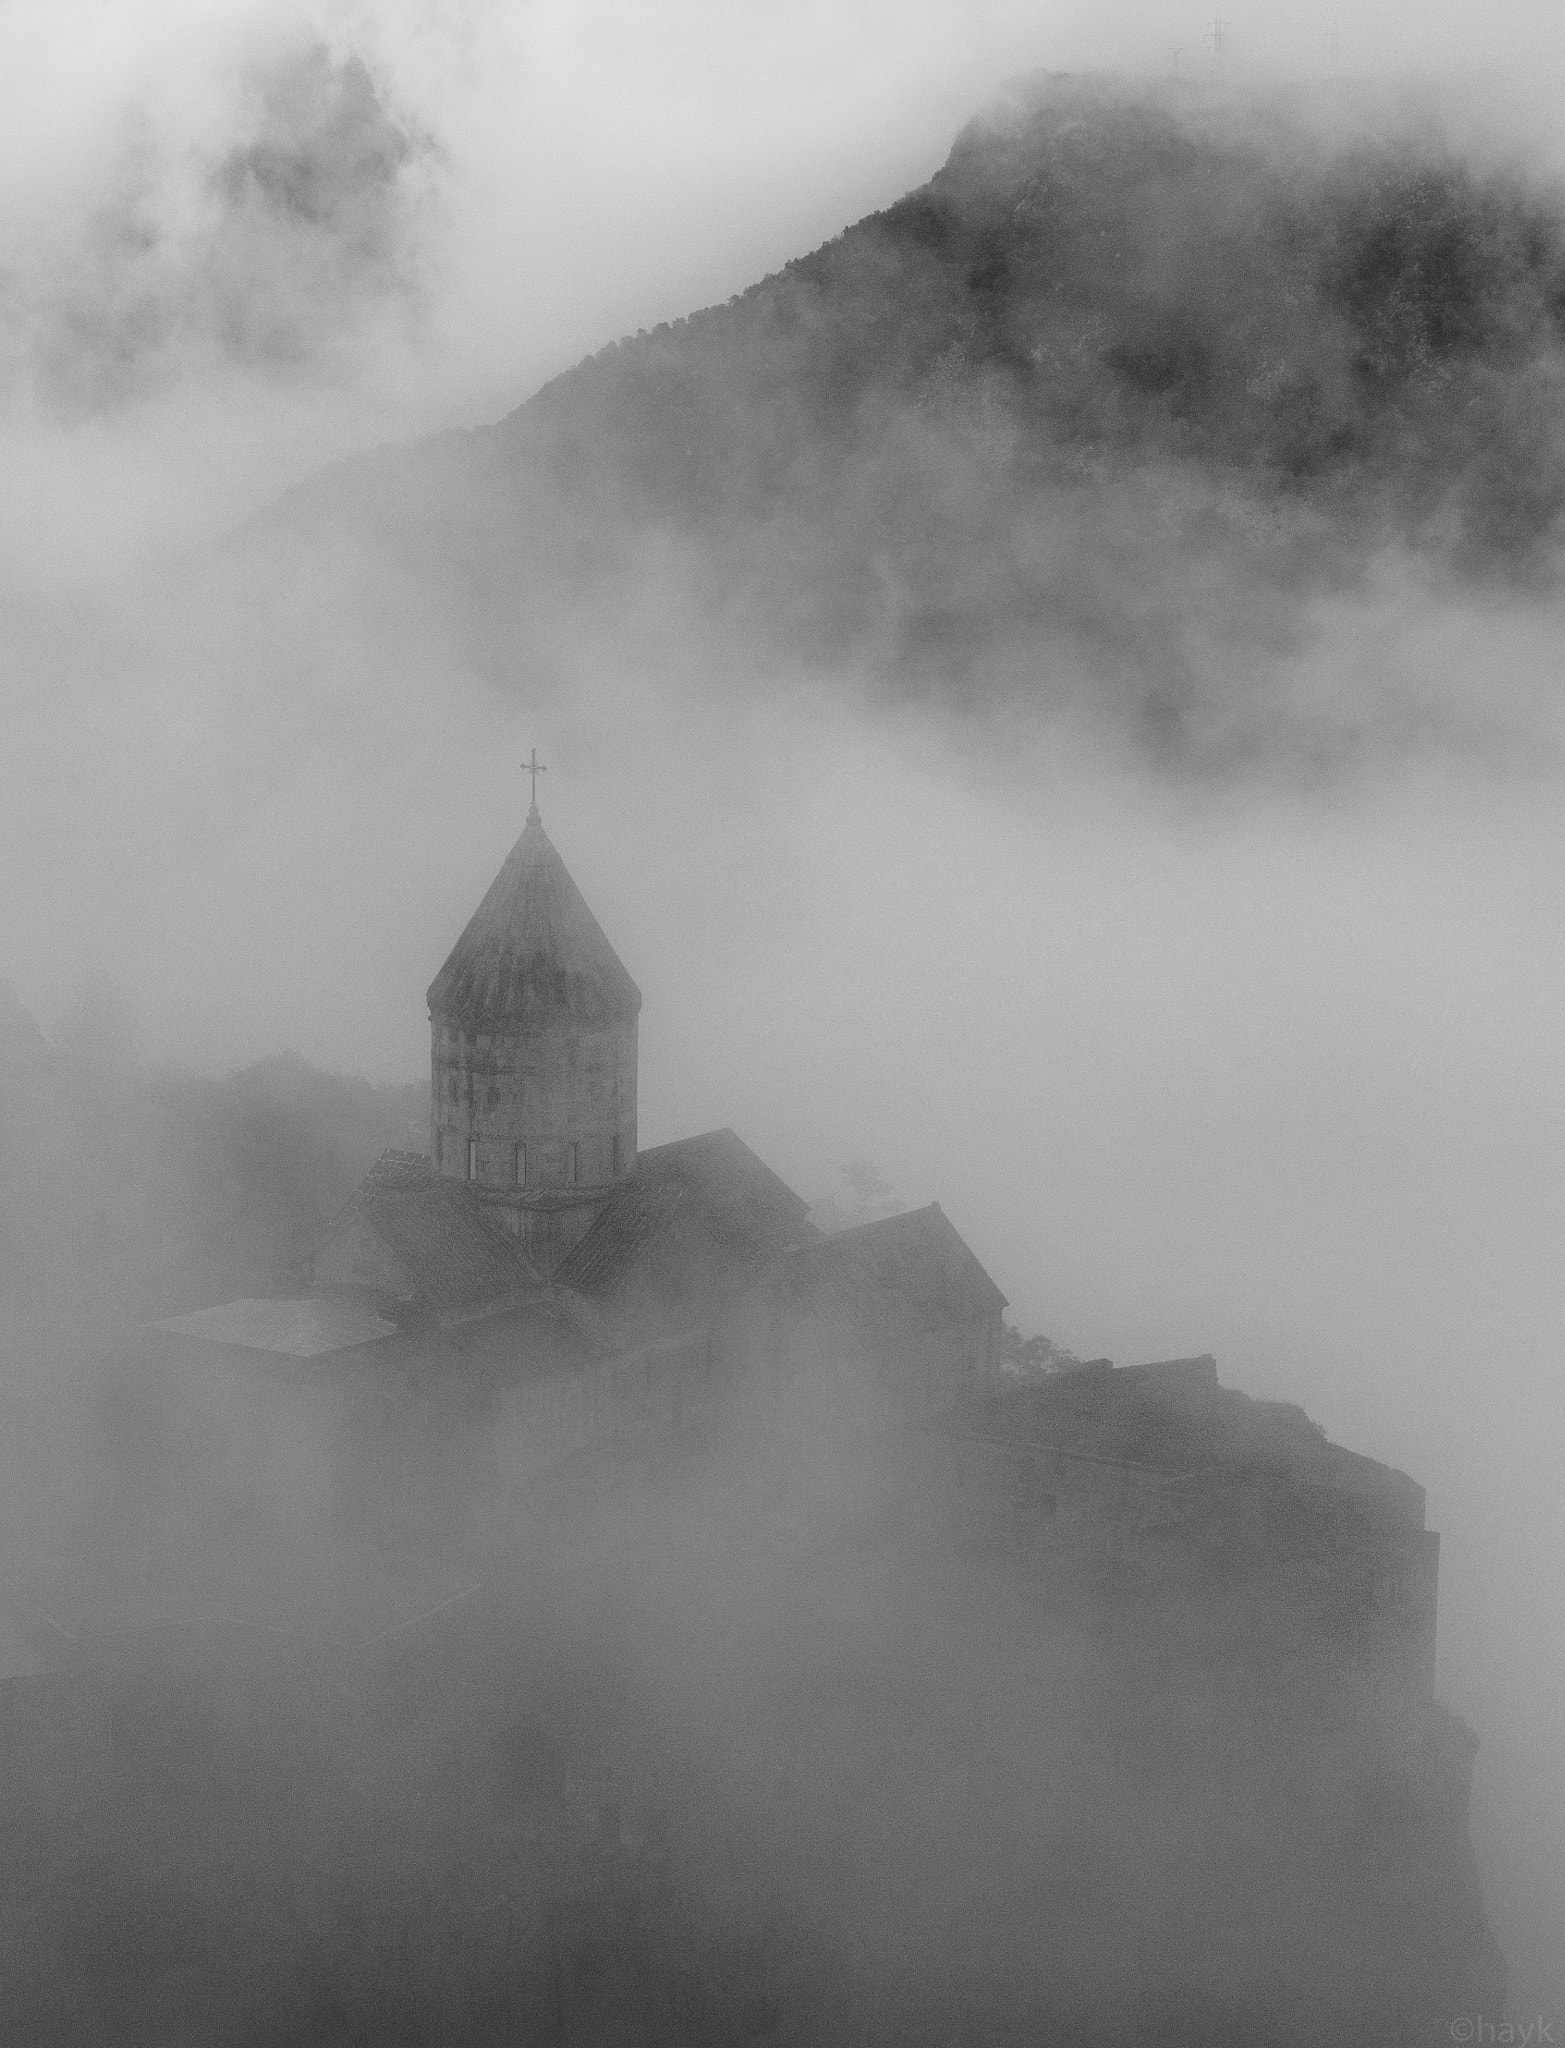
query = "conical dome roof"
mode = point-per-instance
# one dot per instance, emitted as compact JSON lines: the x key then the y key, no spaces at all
{"x":533,"y":954}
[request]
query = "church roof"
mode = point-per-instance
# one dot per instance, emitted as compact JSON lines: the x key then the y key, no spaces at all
{"x":720,"y":1168}
{"x":533,"y":953}
{"x":450,"y":1250}
{"x":289,"y":1326}
{"x":626,"y":1229}
{"x":714,"y":1179}
{"x":895,"y":1277}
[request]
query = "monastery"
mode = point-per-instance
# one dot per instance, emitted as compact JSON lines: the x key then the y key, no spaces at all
{"x":537,"y":1232}
{"x":615,"y":1299}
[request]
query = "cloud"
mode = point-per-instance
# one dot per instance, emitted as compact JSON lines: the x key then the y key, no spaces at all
{"x":276,"y":223}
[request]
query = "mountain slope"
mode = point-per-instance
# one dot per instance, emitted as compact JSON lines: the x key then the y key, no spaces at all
{"x":1095,"y":416}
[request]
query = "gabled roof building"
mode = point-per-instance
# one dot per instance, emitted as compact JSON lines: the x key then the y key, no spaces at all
{"x":535,"y":1184}
{"x":577,"y":1302}
{"x":535,"y":1199}
{"x":535,"y":1177}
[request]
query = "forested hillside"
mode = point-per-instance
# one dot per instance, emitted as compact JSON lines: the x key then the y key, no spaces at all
{"x":1098,"y":415}
{"x":1093,"y":281}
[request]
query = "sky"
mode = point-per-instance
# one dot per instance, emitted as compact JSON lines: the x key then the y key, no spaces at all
{"x":1270,"y":1073}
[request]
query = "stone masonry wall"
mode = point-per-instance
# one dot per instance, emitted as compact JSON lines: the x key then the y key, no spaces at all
{"x":547,"y":1092}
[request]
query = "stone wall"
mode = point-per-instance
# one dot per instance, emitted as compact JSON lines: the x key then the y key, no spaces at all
{"x":554,"y":1108}
{"x":997,"y":1491}
{"x":924,"y":1374}
{"x":1322,"y":1565}
{"x":916,"y":1375}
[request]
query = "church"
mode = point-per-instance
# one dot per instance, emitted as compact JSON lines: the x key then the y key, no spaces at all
{"x":587,"y":1305}
{"x":537,"y":1234}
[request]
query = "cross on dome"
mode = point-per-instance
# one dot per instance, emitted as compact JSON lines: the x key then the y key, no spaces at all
{"x":534,"y":768}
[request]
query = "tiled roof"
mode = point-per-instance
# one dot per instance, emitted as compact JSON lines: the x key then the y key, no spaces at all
{"x":734,"y":1182}
{"x":453,"y":1252}
{"x":533,"y":954}
{"x":897,"y":1276}
{"x":715,"y":1179}
{"x":400,"y":1170}
{"x":631,"y":1221}
{"x":291,"y":1326}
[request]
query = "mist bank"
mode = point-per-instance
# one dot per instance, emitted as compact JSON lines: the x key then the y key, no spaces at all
{"x":364,"y":1696}
{"x":133,"y":1188}
{"x":367,"y":1693}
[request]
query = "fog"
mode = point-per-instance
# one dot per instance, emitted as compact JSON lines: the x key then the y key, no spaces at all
{"x":1259,"y":1060}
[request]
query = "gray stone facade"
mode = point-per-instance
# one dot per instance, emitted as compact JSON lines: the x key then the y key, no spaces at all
{"x":546,"y":1109}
